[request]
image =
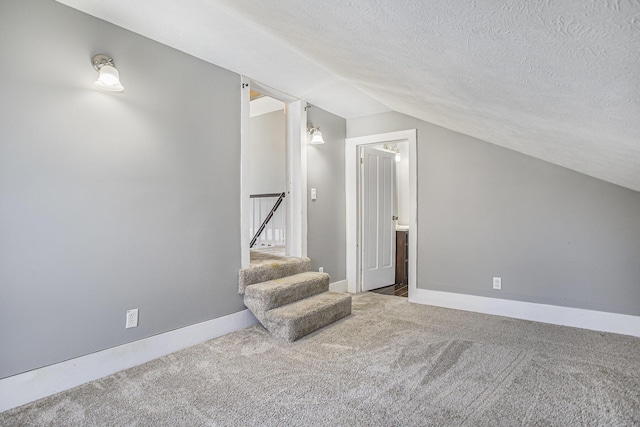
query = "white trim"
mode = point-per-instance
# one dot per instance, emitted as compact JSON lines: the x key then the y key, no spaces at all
{"x":340,"y":286}
{"x":23,"y":388}
{"x":351,"y":190}
{"x":296,"y":180}
{"x":557,"y":315}
{"x":303,"y":178}
{"x":245,"y":168}
{"x":413,"y":214}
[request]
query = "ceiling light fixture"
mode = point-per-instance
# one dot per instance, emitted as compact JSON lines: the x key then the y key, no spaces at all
{"x":316,"y":135}
{"x":393,"y":149}
{"x":109,"y":78}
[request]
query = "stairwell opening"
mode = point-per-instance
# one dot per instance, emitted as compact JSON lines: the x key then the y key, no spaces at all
{"x":267,"y":174}
{"x":278,"y":158}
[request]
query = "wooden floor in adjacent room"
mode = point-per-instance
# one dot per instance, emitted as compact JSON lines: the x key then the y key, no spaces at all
{"x":399,"y":290}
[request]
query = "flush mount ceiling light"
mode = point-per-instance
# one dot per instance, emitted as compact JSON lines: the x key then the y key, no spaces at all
{"x":109,"y":78}
{"x":316,"y":135}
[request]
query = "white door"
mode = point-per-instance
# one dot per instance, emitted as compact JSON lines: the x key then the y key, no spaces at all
{"x":378,"y":214}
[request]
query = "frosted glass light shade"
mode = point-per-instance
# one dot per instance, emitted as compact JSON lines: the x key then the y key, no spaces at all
{"x":317,"y":138}
{"x":109,"y":79}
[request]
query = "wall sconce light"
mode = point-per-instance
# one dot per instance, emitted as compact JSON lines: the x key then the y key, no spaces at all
{"x":109,"y":78}
{"x":316,"y":135}
{"x":393,"y":149}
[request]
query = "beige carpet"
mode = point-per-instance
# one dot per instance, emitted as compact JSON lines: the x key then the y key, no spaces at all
{"x":268,"y":250}
{"x":390,"y":363}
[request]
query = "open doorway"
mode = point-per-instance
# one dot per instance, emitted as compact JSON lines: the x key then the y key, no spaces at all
{"x":293,"y":211}
{"x":367,"y":220}
{"x":267,"y":174}
{"x":384,"y":207}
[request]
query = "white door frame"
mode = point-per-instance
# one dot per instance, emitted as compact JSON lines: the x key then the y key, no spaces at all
{"x":296,"y":173}
{"x":352,"y":145}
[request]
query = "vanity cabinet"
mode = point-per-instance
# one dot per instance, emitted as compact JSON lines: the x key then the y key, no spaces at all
{"x":402,"y":257}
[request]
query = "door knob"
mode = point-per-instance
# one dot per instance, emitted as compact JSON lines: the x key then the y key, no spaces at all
{"x":395,"y":218}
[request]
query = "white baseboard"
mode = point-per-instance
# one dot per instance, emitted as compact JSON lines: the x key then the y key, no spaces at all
{"x":29,"y":386}
{"x":557,"y":315}
{"x":340,"y":286}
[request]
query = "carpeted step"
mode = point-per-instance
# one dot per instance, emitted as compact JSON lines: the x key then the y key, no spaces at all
{"x":265,"y":296}
{"x":270,"y":269}
{"x":296,"y":320}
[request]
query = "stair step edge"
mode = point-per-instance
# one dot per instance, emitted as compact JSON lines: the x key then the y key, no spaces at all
{"x":266,"y":296}
{"x":290,"y":324}
{"x":270,"y":271}
{"x":287,"y":282}
{"x":312,"y":304}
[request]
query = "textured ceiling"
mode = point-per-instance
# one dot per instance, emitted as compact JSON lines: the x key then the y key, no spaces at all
{"x":558,"y":80}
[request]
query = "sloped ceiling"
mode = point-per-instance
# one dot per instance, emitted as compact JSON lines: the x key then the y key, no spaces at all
{"x":557,"y":80}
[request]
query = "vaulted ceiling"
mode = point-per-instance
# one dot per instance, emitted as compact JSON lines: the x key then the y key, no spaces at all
{"x":557,"y":80}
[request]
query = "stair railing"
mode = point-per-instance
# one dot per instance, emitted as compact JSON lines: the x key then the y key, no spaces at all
{"x":273,"y":224}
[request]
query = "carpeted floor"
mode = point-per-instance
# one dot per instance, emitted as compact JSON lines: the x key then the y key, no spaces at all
{"x":268,"y":250}
{"x":391,"y":363}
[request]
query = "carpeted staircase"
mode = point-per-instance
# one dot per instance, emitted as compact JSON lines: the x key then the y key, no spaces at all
{"x":289,"y":300}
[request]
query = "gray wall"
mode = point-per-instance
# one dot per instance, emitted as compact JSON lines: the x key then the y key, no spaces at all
{"x":326,"y":238}
{"x":554,"y":236}
{"x":268,"y":153}
{"x":110,"y":201}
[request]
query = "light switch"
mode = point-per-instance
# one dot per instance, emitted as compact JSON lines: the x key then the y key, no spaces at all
{"x":313,"y":194}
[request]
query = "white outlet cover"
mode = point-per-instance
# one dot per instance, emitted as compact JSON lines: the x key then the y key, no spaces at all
{"x":321,"y":270}
{"x":497,"y":283}
{"x":132,"y":319}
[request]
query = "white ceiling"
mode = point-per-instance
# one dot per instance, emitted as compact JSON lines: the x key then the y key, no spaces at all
{"x":559,"y":80}
{"x":264,"y":105}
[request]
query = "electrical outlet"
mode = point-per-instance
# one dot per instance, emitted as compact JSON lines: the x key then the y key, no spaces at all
{"x":132,"y":318}
{"x":497,"y":283}
{"x":321,"y":269}
{"x":314,"y":194}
